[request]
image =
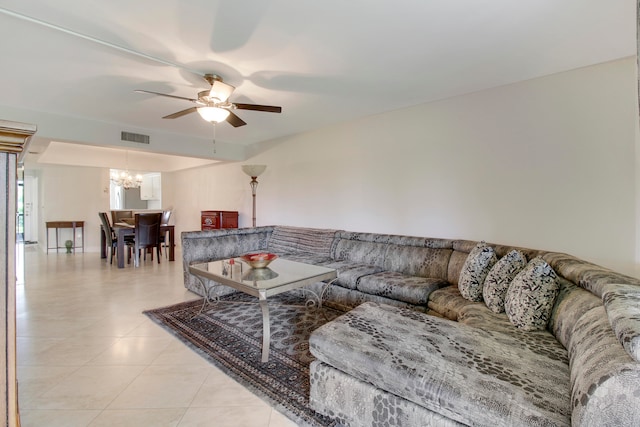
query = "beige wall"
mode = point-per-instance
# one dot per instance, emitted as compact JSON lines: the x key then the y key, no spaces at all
{"x":71,"y":193}
{"x":547,"y":163}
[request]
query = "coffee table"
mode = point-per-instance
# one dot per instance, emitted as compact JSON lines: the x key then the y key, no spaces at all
{"x":281,"y":276}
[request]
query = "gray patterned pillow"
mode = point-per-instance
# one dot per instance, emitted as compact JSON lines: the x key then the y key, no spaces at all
{"x":500,"y":277}
{"x":475,"y":270}
{"x":531,"y":295}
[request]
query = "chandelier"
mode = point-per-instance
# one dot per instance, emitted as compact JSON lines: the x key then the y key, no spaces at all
{"x":125,"y":179}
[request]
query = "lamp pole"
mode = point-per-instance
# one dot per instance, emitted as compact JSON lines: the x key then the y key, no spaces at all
{"x":253,"y":171}
{"x":254,"y":186}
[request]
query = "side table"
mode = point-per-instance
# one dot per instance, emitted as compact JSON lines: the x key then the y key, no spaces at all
{"x":65,"y":224}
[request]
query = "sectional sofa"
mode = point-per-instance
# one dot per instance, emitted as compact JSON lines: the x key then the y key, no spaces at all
{"x":424,"y":341}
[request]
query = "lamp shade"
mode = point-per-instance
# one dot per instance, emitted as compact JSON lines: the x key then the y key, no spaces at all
{"x":213,"y":114}
{"x":221,"y":90}
{"x":253,"y":170}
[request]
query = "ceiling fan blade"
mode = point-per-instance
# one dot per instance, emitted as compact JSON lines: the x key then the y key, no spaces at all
{"x":235,"y":121}
{"x":181,"y":113}
{"x":266,"y":108}
{"x":164,"y":94}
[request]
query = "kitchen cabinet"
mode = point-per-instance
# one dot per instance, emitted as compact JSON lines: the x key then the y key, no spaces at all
{"x":151,"y":188}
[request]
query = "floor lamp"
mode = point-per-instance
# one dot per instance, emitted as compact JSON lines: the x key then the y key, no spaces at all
{"x":254,"y":172}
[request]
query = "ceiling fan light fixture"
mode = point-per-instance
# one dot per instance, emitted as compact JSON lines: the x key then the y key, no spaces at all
{"x":221,"y":90}
{"x":213,"y":114}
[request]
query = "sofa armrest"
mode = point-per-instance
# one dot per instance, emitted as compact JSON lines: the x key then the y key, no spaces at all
{"x":211,"y":245}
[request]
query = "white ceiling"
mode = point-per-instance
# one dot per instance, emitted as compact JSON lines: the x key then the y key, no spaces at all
{"x":324,"y":62}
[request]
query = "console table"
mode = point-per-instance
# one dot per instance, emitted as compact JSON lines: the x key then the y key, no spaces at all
{"x":65,"y":224}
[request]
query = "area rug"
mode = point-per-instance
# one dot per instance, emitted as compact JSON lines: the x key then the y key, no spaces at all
{"x":229,"y":335}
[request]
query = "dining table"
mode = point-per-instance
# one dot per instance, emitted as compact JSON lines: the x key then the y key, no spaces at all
{"x":123,"y":229}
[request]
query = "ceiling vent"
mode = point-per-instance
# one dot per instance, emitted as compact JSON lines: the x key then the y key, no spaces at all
{"x":134,"y":137}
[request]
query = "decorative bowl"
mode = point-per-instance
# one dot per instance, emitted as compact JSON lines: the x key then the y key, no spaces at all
{"x":258,"y":259}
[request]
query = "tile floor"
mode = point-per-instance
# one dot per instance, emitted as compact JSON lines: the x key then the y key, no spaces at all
{"x":87,"y":356}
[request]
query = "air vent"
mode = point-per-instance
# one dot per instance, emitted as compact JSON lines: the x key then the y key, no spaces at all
{"x":134,"y":137}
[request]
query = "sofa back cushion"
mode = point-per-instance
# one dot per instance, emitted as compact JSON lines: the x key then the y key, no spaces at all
{"x":210,"y":245}
{"x":571,"y":304}
{"x":292,"y":240}
{"x":590,"y":276}
{"x":362,"y":252}
{"x":413,"y":256}
{"x":417,"y":261}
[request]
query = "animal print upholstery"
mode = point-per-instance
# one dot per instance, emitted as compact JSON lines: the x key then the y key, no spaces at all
{"x":357,"y":403}
{"x":499,"y":278}
{"x":229,"y":242}
{"x":390,"y":365}
{"x":605,"y":381}
{"x":475,"y":270}
{"x":622,"y":303}
{"x":398,"y":286}
{"x":294,"y":240}
{"x":446,"y":367}
{"x":531,"y":295}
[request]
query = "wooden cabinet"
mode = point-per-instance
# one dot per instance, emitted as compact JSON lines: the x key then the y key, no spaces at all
{"x":150,"y":188}
{"x":213,"y":220}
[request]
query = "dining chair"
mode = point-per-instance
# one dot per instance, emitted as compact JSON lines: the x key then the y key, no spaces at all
{"x":166,"y":215}
{"x":120,"y":216}
{"x":146,"y":235}
{"x":109,"y":235}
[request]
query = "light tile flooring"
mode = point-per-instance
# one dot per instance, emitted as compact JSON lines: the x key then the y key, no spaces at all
{"x":87,"y":356}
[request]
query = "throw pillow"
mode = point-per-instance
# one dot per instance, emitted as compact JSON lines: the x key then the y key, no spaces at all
{"x":500,"y":277}
{"x":531,"y":295}
{"x":475,"y":270}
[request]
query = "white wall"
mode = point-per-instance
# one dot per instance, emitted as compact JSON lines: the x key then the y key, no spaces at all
{"x":548,"y":163}
{"x":71,"y":193}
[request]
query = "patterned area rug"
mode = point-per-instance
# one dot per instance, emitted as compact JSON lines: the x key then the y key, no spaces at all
{"x":229,"y":335}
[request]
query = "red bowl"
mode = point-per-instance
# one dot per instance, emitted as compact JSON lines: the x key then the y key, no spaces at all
{"x":258,"y":259}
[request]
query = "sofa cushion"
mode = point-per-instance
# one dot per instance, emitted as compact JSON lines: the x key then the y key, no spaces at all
{"x":531,"y":295}
{"x":286,"y":240}
{"x":446,"y":367}
{"x":418,"y":261}
{"x":349,"y":272}
{"x":447,"y":302}
{"x":308,"y":258}
{"x":499,"y":278}
{"x":398,"y":286}
{"x":364,"y":252}
{"x":345,"y":299}
{"x":541,"y":342}
{"x":475,"y":270}
{"x":622,"y":303}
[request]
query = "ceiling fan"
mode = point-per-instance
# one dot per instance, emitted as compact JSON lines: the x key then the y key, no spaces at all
{"x":213,"y":105}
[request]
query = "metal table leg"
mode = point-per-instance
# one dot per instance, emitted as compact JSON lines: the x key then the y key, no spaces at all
{"x":266,"y":330}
